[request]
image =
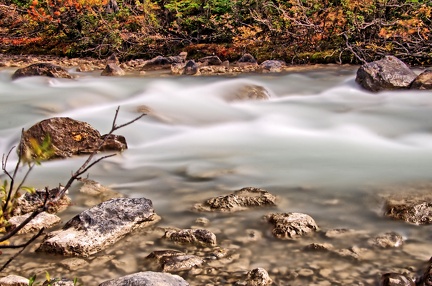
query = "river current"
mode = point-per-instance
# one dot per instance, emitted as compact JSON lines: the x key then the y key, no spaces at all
{"x":321,"y":144}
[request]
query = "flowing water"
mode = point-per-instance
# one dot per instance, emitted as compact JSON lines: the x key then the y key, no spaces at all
{"x":321,"y":144}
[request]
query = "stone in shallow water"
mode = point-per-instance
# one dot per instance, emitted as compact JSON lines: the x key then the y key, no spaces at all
{"x":416,"y":209}
{"x":147,"y":278}
{"x":99,"y":227}
{"x":41,"y":69}
{"x":200,"y":237}
{"x":291,"y":225}
{"x":14,"y":280}
{"x":42,"y":220}
{"x":396,"y":279}
{"x":258,"y":277}
{"x":240,"y":200}
{"x":174,"y":261}
{"x":387,"y":240}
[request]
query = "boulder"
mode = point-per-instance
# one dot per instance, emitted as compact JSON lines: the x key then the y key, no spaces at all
{"x":242,"y":199}
{"x":272,"y":66}
{"x":100,"y":226}
{"x":247,"y":59}
{"x":291,"y":225}
{"x":210,"y":60}
{"x":112,"y":69}
{"x":396,"y":279}
{"x":388,"y":73}
{"x":387,"y":240}
{"x":147,"y":278}
{"x":201,"y":237}
{"x":41,"y":69}
{"x":31,"y":201}
{"x":14,"y":280}
{"x":161,"y":62}
{"x":248,"y":92}
{"x":416,"y":209}
{"x":174,"y":261}
{"x":190,"y":68}
{"x":258,"y":277}
{"x":42,"y":220}
{"x":68,"y":137}
{"x":423,"y":80}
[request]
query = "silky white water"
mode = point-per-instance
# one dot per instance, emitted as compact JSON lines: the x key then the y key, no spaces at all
{"x":320,"y":138}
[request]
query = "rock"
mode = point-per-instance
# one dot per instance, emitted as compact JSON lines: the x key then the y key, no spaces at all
{"x":210,"y":60}
{"x":387,"y":240}
{"x":161,"y":62}
{"x":319,"y":247}
{"x":111,"y":69}
{"x":396,"y":279}
{"x":59,"y":282}
{"x":99,"y":227}
{"x":29,"y":202}
{"x":99,"y":192}
{"x":240,"y":200}
{"x":190,"y":68}
{"x":353,"y":253}
{"x":258,"y":277}
{"x":42,"y":220}
{"x":113,"y":143}
{"x":426,"y":278}
{"x":291,"y":225}
{"x":272,"y":66}
{"x":174,"y":261}
{"x":68,"y":137}
{"x":388,"y":73}
{"x":41,"y":69}
{"x":178,"y":68}
{"x":212,"y":70}
{"x":112,"y":60}
{"x":416,"y":209}
{"x":247,"y":59}
{"x":248,"y":92}
{"x":423,"y":80}
{"x":200,"y":237}
{"x":84,"y":68}
{"x":147,"y":278}
{"x":14,"y":280}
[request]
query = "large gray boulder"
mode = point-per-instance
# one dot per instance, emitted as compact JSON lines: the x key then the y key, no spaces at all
{"x":147,"y":278}
{"x":389,"y":73}
{"x":41,"y":69}
{"x":68,"y":137}
{"x":99,"y":227}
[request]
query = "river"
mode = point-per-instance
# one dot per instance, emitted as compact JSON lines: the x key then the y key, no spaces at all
{"x":321,"y":144}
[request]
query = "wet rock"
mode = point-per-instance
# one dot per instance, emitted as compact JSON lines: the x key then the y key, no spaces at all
{"x":247,"y":59}
{"x":291,"y":225}
{"x":111,"y":69}
{"x":161,"y":62}
{"x":174,"y":261}
{"x":387,"y":240}
{"x":258,"y":277}
{"x":42,"y":220}
{"x":113,"y":142}
{"x":177,"y":69}
{"x":68,"y":137}
{"x":14,"y":280}
{"x":416,"y":209}
{"x":200,"y":237}
{"x":41,"y":69}
{"x":388,"y":73}
{"x":147,"y":278}
{"x":247,"y":92}
{"x":272,"y":66}
{"x":210,"y":60}
{"x":240,"y":200}
{"x":423,"y":80}
{"x":396,"y":279}
{"x":319,"y":247}
{"x":59,"y":282}
{"x":99,"y":227}
{"x":212,"y":70}
{"x":29,"y":202}
{"x":426,"y":278}
{"x":190,"y":68}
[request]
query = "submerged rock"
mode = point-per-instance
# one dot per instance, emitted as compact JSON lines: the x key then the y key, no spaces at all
{"x":423,"y":80}
{"x":248,"y":92}
{"x":386,"y":74}
{"x":416,"y":209}
{"x":41,"y":69}
{"x":200,"y":237}
{"x":68,"y":137}
{"x":174,"y":261}
{"x":240,"y":200}
{"x":258,"y":277}
{"x":387,"y":240}
{"x":291,"y":225}
{"x":147,"y":278}
{"x":272,"y":66}
{"x":99,"y":227}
